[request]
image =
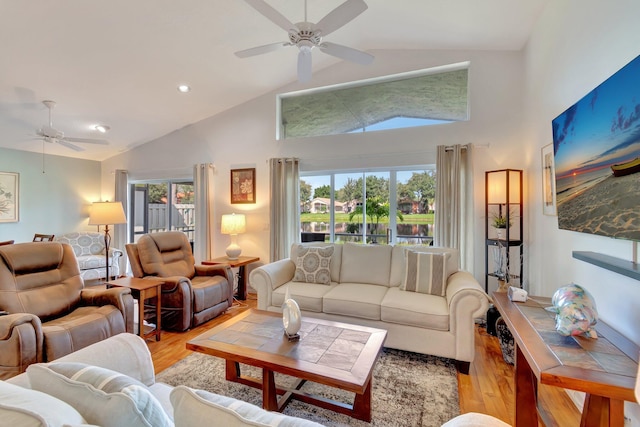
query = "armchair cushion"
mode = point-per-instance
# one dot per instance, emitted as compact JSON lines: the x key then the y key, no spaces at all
{"x":166,"y":254}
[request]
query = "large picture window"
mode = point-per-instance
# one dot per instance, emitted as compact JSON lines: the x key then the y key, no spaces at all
{"x":386,"y":206}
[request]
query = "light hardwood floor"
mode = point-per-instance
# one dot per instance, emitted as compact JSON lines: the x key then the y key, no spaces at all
{"x":487,"y":389}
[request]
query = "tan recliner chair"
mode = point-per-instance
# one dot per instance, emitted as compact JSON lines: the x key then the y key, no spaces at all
{"x":48,"y":312}
{"x":192,"y":294}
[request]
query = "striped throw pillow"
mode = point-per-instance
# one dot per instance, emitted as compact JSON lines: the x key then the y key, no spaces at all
{"x":425,"y":273}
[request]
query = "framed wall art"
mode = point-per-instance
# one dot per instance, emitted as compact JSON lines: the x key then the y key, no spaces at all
{"x":548,"y":181}
{"x":243,"y":185}
{"x":9,"y":196}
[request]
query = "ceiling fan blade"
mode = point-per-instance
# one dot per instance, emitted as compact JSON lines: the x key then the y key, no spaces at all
{"x":259,"y":50}
{"x":87,"y":140}
{"x":340,"y":16}
{"x":346,"y":53}
{"x":271,"y":14}
{"x":69,"y":145}
{"x":304,"y":65}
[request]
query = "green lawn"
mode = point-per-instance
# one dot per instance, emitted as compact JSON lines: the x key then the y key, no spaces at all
{"x":341,"y":217}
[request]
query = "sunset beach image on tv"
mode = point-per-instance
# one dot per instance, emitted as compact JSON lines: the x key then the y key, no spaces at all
{"x":596,"y":145}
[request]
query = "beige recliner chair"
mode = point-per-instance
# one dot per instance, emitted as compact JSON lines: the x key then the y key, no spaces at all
{"x":47,"y":311}
{"x":192,"y":294}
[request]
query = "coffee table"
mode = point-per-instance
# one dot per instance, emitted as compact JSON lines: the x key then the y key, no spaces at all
{"x":335,"y":354}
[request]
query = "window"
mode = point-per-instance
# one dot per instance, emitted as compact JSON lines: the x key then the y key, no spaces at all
{"x":397,"y":207}
{"x":420,"y":98}
{"x":162,"y":206}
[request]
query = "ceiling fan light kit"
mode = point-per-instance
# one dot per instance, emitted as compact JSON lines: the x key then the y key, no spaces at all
{"x":307,"y":35}
{"x":48,"y":133}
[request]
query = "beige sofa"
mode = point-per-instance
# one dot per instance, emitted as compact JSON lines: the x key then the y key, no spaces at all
{"x":46,"y":395}
{"x":365,"y":288}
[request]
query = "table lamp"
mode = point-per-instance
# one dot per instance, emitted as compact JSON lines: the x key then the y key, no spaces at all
{"x":105,"y":213}
{"x":233,"y":225}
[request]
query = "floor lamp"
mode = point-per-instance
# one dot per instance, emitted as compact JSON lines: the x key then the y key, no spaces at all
{"x":105,"y":213}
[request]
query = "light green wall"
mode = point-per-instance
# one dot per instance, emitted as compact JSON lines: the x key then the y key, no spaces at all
{"x":53,"y":202}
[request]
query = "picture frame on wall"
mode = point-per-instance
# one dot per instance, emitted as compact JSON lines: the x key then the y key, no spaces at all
{"x":548,"y":181}
{"x":9,"y":196}
{"x":243,"y":185}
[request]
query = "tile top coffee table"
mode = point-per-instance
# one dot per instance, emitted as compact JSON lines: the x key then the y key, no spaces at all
{"x":331,"y":353}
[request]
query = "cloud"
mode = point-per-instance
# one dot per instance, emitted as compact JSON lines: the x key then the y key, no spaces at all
{"x":622,"y":122}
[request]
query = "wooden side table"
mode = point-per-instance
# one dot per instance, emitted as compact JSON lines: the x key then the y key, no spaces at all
{"x":143,"y":289}
{"x":240,"y":263}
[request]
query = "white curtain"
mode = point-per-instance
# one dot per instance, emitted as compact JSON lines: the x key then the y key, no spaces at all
{"x":120,"y":230}
{"x":454,"y":201}
{"x":284,"y":177}
{"x":203,"y":189}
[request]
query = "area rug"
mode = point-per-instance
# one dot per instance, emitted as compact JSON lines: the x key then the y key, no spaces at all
{"x":409,"y":389}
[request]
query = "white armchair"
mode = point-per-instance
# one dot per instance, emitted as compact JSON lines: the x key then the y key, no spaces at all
{"x":89,"y":249}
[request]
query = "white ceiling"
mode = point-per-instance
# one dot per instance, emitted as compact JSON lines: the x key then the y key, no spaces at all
{"x":118,"y":62}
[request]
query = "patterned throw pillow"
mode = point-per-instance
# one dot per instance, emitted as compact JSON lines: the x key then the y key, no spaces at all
{"x":312,"y":264}
{"x":425,"y":273}
{"x":103,"y":397}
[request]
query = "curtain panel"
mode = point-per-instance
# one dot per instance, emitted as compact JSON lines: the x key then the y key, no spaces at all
{"x":284,"y":179}
{"x":120,"y":230}
{"x":454,"y":201}
{"x":203,"y":195}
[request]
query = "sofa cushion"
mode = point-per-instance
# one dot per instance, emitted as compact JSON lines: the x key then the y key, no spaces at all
{"x":307,"y":295}
{"x":366,"y":264}
{"x":336,"y":258}
{"x":25,"y":407}
{"x":103,"y":397}
{"x":196,"y":408}
{"x":355,"y":300}
{"x":425,"y":273}
{"x":414,"y":309}
{"x":91,"y":261}
{"x":398,"y":260}
{"x":312,"y":264}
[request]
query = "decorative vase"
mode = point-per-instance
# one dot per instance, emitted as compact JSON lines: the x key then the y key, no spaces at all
{"x":291,"y":318}
{"x":502,"y":285}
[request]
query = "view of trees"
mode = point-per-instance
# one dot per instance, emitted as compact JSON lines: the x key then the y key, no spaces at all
{"x":158,"y":193}
{"x":419,"y":188}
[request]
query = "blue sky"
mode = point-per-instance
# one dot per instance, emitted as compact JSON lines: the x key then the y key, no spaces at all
{"x":603,"y":127}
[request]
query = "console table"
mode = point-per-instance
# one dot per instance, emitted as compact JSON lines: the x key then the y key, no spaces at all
{"x":241,"y":262}
{"x":604,"y":368}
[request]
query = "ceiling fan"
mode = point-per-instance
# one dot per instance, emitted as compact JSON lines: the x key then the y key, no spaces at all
{"x":307,"y":35}
{"x":50,"y":134}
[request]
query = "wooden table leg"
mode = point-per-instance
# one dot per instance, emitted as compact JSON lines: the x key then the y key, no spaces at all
{"x":526,"y":408}
{"x":242,"y":283}
{"x":362,"y":404}
{"x":158,"y":311}
{"x":601,"y":411}
{"x":269,"y":394}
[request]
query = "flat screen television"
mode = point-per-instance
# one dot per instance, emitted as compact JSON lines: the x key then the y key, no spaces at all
{"x":596,"y":145}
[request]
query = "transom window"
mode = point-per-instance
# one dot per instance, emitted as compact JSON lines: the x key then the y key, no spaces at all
{"x":426,"y":97}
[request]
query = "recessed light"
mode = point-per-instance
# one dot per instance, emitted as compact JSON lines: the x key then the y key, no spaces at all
{"x":184,"y":88}
{"x":102,"y":128}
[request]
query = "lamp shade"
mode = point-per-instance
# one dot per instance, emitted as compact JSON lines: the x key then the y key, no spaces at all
{"x":105,"y":213}
{"x":233,"y":224}
{"x":497,"y":186}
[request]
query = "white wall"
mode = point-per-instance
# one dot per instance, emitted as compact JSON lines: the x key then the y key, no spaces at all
{"x":577,"y":45}
{"x":53,"y":202}
{"x":244,"y":136}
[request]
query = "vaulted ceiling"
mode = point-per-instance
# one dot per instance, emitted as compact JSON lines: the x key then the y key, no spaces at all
{"x":119,"y":62}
